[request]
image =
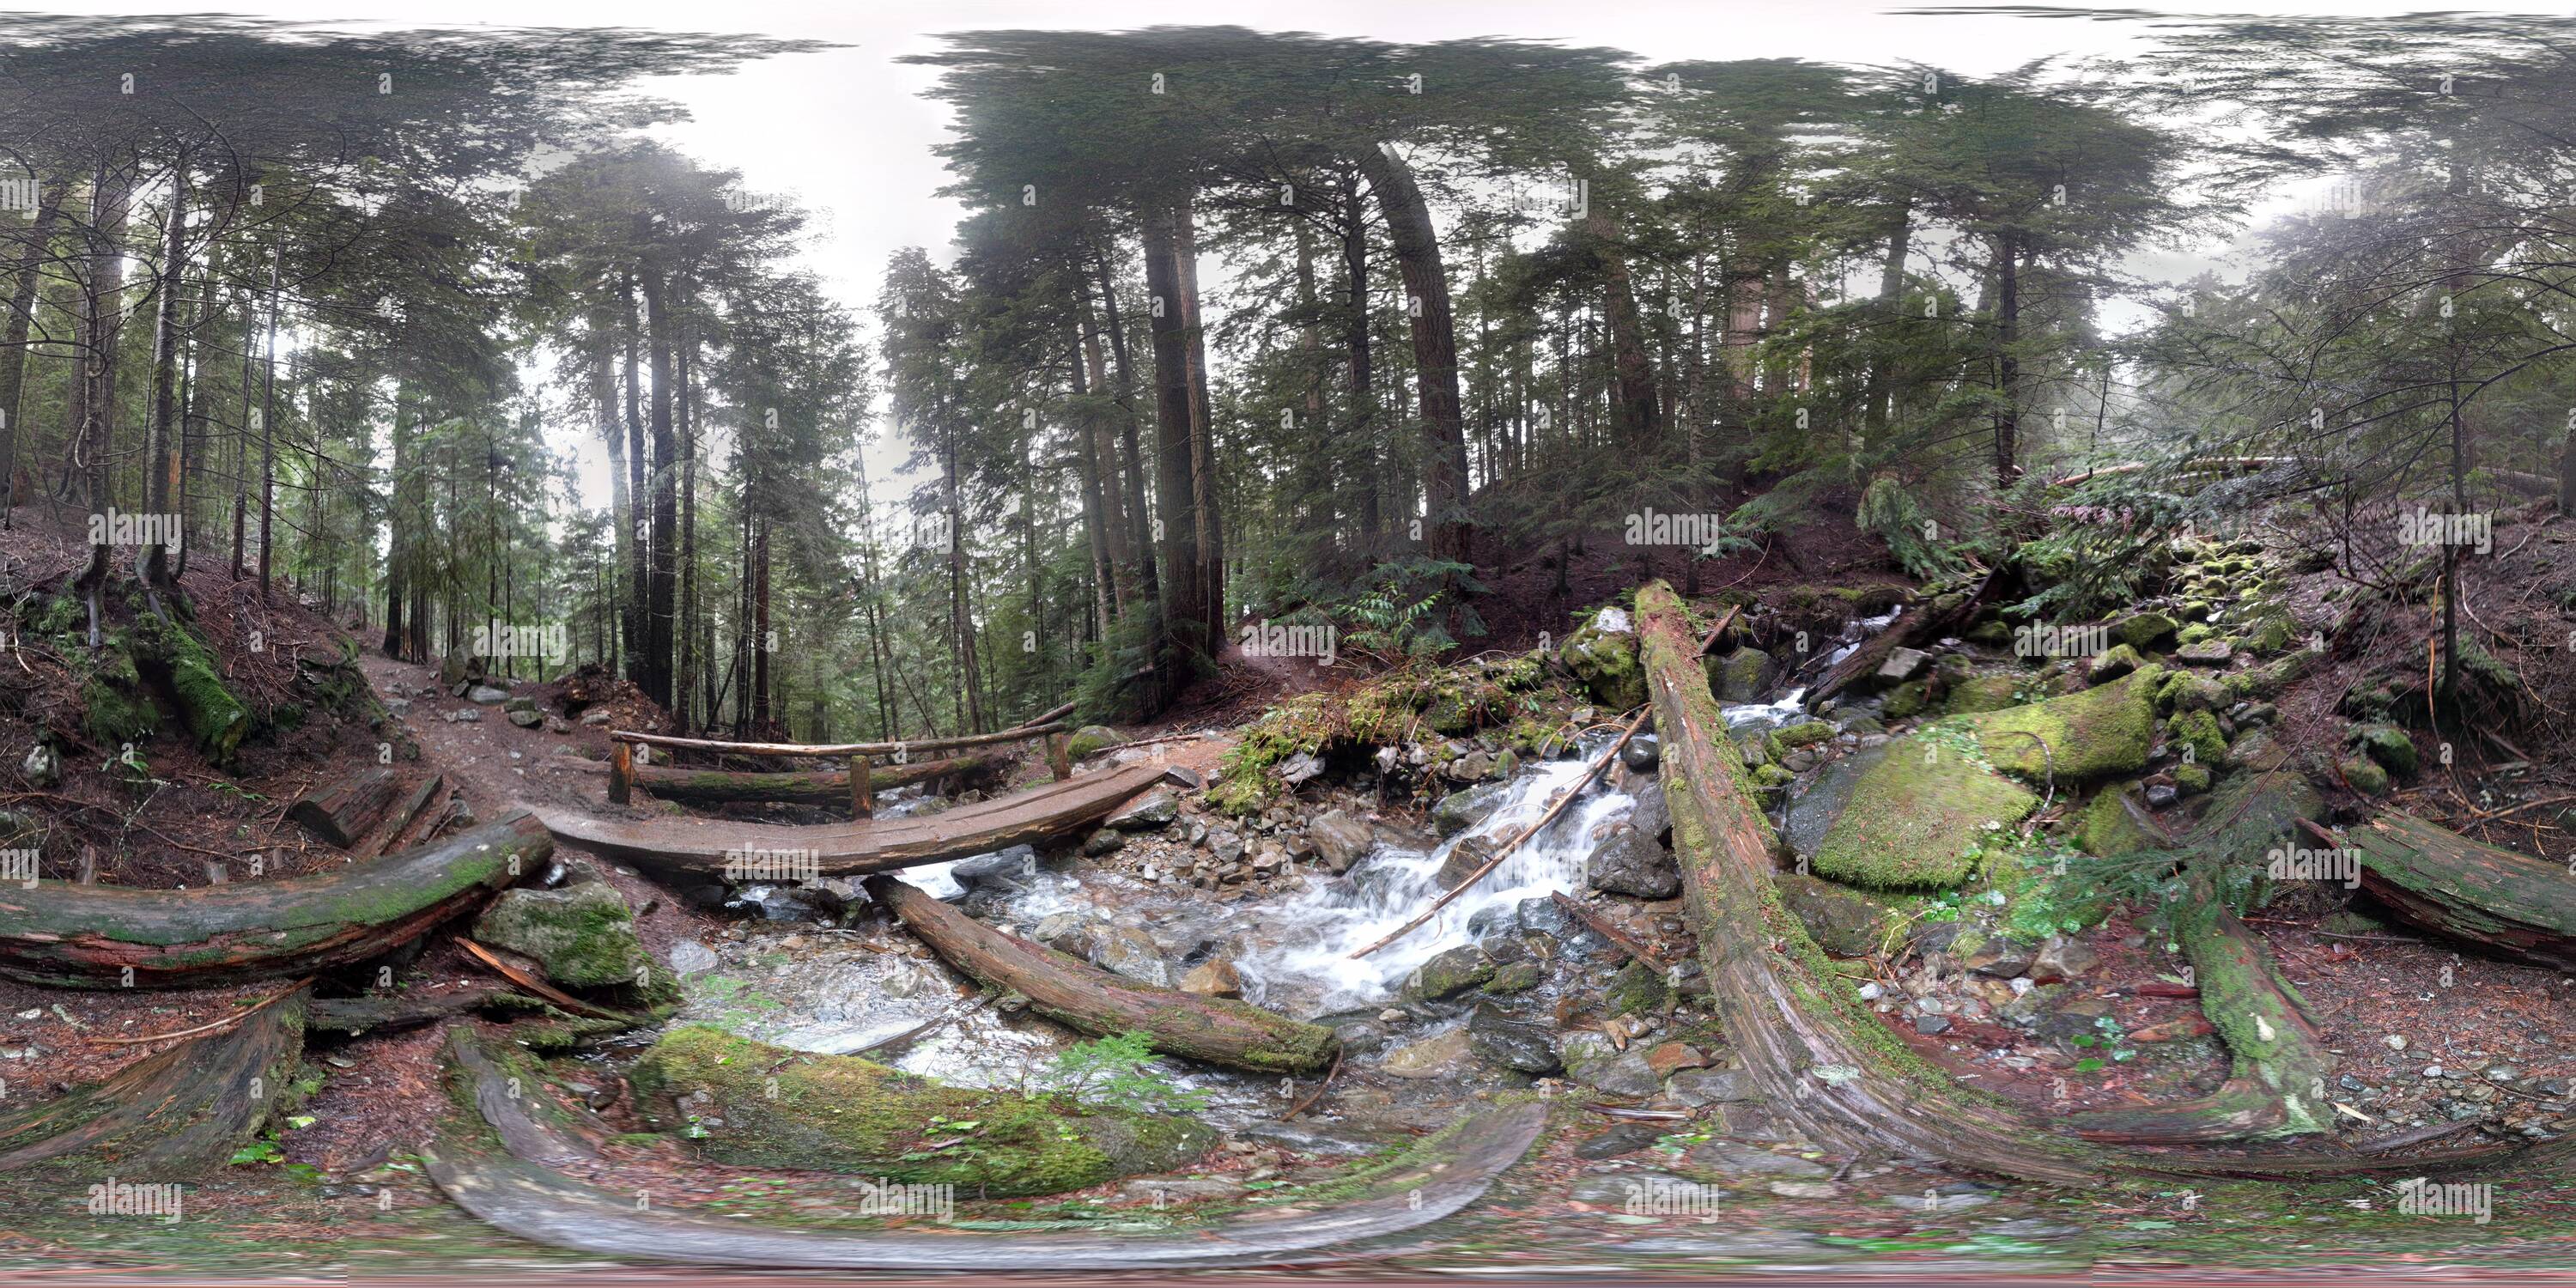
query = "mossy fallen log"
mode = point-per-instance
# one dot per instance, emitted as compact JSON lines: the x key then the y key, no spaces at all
{"x":495,"y":1151}
{"x":170,"y":652}
{"x":169,"y":1117}
{"x":1076,"y":993}
{"x":85,"y":936}
{"x":749,"y":1104}
{"x":2436,"y":879}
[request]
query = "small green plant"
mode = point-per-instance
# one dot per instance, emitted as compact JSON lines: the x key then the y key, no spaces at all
{"x":2109,"y":1038}
{"x":234,"y":790}
{"x":1118,"y":1071}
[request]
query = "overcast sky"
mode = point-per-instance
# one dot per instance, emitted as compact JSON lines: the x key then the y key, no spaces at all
{"x":847,"y":131}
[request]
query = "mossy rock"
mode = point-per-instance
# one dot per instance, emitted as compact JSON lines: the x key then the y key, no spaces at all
{"x":1637,"y":990}
{"x":1918,"y":818}
{"x":2190,"y":691}
{"x":1603,"y":655}
{"x":2269,"y":679}
{"x":2100,"y":731}
{"x":2114,"y":662}
{"x":2195,"y":633}
{"x":2272,"y":634}
{"x":1906,"y":700}
{"x":2144,"y":631}
{"x":1841,"y":920}
{"x":1770,"y":775}
{"x":1984,"y":693}
{"x":772,"y":1107}
{"x":584,"y":935}
{"x":2196,"y":732}
{"x":2191,"y":779}
{"x":1805,"y":733}
{"x":2388,"y":745}
{"x":1993,"y":632}
{"x":2365,"y":775}
{"x":1091,"y":739}
{"x":115,"y":709}
{"x":2105,"y":828}
{"x":1741,"y":676}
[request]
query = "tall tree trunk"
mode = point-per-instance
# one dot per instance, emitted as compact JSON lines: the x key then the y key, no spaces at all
{"x":1130,"y":457}
{"x":639,"y":649}
{"x":1435,"y":347}
{"x":398,"y":525}
{"x":1633,"y":397}
{"x":268,"y":430}
{"x":1100,"y":436}
{"x":92,"y":447}
{"x":1188,"y":628}
{"x":160,"y":460}
{"x":1880,"y":397}
{"x":660,"y":609}
{"x":13,"y":346}
{"x":1362,"y":437}
{"x":1203,"y":481}
{"x":2007,"y":358}
{"x":1107,"y":576}
{"x":684,"y":687}
{"x":762,"y":722}
{"x":621,"y":509}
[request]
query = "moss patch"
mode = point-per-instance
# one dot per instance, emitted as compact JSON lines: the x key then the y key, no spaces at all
{"x":2091,"y":734}
{"x":1918,"y":816}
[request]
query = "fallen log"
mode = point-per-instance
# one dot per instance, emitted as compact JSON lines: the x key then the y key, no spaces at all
{"x":407,"y":815}
{"x":176,"y":1115}
{"x":352,"y":1016}
{"x":2443,"y":882}
{"x":1817,"y":1054}
{"x":348,"y":807}
{"x":1076,"y":993}
{"x":495,"y":1152}
{"x":700,"y":849}
{"x":1918,"y":623}
{"x":820,"y":787}
{"x":89,"y":936}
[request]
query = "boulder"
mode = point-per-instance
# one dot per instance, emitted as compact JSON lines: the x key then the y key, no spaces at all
{"x":1215,"y":977}
{"x":486,"y":695}
{"x":1340,"y":839}
{"x":1603,"y":655}
{"x":1002,"y":872}
{"x":527,"y":719}
{"x":1511,"y":1043}
{"x":1444,"y":1055}
{"x":2205,"y":653}
{"x":2144,"y":631}
{"x":1842,"y":921}
{"x":584,"y":935}
{"x":1983,"y":693}
{"x":2105,"y":730}
{"x":2114,"y":662}
{"x":1902,"y":664}
{"x":1152,"y":811}
{"x":1918,"y":818}
{"x":1631,"y":863}
{"x":1465,"y":808}
{"x":1448,"y":973}
{"x":1129,"y":951}
{"x":1743,"y":675}
{"x":1652,"y":816}
{"x":1092,"y":739}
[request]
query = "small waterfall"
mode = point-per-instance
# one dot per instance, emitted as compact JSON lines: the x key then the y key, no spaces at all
{"x":1306,"y":966}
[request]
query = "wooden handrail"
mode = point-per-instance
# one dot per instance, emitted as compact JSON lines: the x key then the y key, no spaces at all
{"x":838,"y":750}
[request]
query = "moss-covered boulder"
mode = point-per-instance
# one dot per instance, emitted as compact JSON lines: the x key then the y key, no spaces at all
{"x":1603,"y":655}
{"x":1805,"y":733}
{"x":1906,"y":700}
{"x":1090,"y":739}
{"x":2105,"y":730}
{"x":2114,"y":662}
{"x":584,"y":934}
{"x":2144,"y":631}
{"x":2196,"y":735}
{"x":2365,"y":775}
{"x":752,"y":1105}
{"x":2190,"y":691}
{"x":115,"y":708}
{"x":2388,"y":745}
{"x":2106,"y":829}
{"x":1918,"y":818}
{"x":1984,"y":693}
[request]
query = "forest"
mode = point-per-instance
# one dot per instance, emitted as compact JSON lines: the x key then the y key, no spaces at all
{"x":1400,"y":653}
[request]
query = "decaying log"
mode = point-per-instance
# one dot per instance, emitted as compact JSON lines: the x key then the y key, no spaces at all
{"x":76,"y":936}
{"x":173,"y":1116}
{"x":1076,"y":993}
{"x":347,"y":808}
{"x":351,"y":1016}
{"x":1817,"y":1054}
{"x":1918,"y":623}
{"x":702,"y":849}
{"x":405,"y":816}
{"x":2443,"y":882}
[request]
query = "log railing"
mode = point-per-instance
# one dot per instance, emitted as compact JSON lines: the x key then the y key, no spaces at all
{"x":1048,"y":726}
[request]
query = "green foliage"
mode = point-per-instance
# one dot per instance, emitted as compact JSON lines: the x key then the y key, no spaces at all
{"x":1118,"y":1071}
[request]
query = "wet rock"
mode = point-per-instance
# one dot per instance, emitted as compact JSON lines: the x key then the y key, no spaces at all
{"x":1463,"y":809}
{"x":1652,"y":816}
{"x":2161,"y":795}
{"x":1104,"y":841}
{"x":1631,"y":863}
{"x":1512,"y":1043}
{"x":1542,"y":916}
{"x":1591,"y":1060}
{"x":1002,"y":872}
{"x":1669,"y":1058}
{"x":1743,"y":675}
{"x":1448,"y":974}
{"x":1150,"y":812}
{"x":1474,"y":767}
{"x":1340,"y":839}
{"x":1129,"y":951}
{"x":1070,"y":933}
{"x":1515,"y":976}
{"x":1603,"y":655}
{"x":1445,"y":1055}
{"x":1930,"y":1025}
{"x":1622,"y":1139}
{"x":1813,"y":810}
{"x":1213,"y":978}
{"x":1737,"y":1159}
{"x":1468,"y":855}
{"x":1902,"y":664}
{"x":1642,"y":754}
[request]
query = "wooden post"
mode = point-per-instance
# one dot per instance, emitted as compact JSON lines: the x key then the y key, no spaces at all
{"x":621,"y":772}
{"x":1059,"y":756}
{"x":863,"y":788}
